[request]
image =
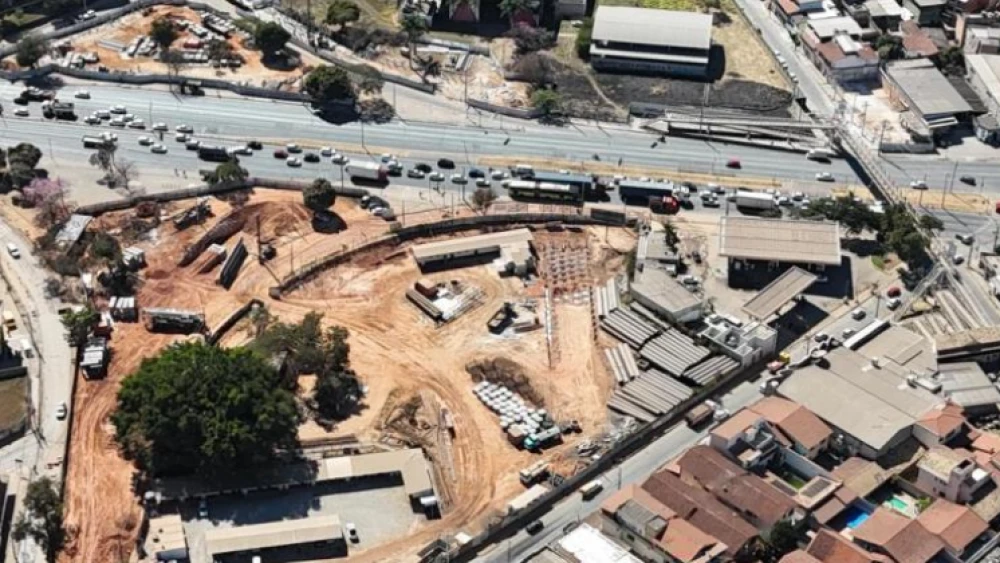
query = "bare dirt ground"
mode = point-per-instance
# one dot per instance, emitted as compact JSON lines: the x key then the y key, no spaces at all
{"x":408,"y":365}
{"x":126,"y":29}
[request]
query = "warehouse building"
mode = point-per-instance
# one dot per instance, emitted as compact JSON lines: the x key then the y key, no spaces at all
{"x":305,"y":539}
{"x":647,"y":40}
{"x":983,"y":73}
{"x":760,"y":250}
{"x":509,"y":250}
{"x":932,"y":105}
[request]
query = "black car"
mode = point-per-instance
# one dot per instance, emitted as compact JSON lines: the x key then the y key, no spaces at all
{"x":255,"y":145}
{"x":311,"y":157}
{"x":21,"y":101}
{"x":446,"y":164}
{"x":534,"y":527}
{"x":971,"y":180}
{"x":476,"y":173}
{"x":423,"y":167}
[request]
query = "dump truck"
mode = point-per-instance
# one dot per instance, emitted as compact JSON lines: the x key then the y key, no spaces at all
{"x":547,"y":437}
{"x":58,"y":110}
{"x":370,"y":171}
{"x":534,"y":473}
{"x":755,"y":200}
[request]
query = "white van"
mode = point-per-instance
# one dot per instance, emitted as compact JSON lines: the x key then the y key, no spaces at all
{"x":13,"y":250}
{"x":592,"y":488}
{"x":26,"y":350}
{"x":819,"y":154}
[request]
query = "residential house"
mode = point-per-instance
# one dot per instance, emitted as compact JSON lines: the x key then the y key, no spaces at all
{"x":786,"y":9}
{"x":797,"y":426}
{"x":759,"y":502}
{"x":917,"y":43}
{"x":830,"y":547}
{"x":950,"y":474}
{"x":655,"y":532}
{"x":842,"y":58}
{"x":926,"y":12}
{"x":978,"y":33}
{"x":940,"y":425}
{"x":886,"y":15}
{"x":704,"y":512}
{"x":904,"y":540}
{"x":957,"y":526}
{"x":748,"y":438}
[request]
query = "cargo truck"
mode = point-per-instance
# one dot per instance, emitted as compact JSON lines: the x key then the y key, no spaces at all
{"x":755,"y":200}
{"x":215,"y":154}
{"x":549,"y":436}
{"x":59,"y":110}
{"x":95,"y":142}
{"x":534,"y":473}
{"x":370,"y":171}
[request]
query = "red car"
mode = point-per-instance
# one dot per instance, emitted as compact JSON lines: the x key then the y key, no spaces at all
{"x":733,"y":163}
{"x":280,"y":153}
{"x":894,"y":291}
{"x":998,"y":208}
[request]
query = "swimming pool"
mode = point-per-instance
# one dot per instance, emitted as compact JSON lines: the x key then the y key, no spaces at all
{"x":855,"y":517}
{"x":899,"y":504}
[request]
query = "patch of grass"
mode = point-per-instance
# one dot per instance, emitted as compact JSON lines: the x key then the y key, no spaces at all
{"x":12,"y":401}
{"x":878,"y":261}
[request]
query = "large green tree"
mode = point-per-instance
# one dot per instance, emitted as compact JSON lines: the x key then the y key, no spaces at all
{"x":310,"y":349}
{"x":342,"y":12}
{"x":270,"y":37}
{"x":42,"y":519}
{"x":548,"y":101}
{"x":30,"y":49}
{"x":24,"y":153}
{"x":163,"y":32}
{"x":414,"y":26}
{"x":319,"y":195}
{"x":78,"y":324}
{"x":329,"y":84}
{"x":229,"y":171}
{"x":202,"y":409}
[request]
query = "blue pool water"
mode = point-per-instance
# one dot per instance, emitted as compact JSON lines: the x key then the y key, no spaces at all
{"x":855,"y":517}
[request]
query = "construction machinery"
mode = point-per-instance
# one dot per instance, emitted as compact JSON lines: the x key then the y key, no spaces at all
{"x":500,"y":320}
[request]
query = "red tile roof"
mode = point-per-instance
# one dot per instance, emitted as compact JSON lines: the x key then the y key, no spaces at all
{"x":956,"y":525}
{"x":945,"y":419}
{"x":736,"y":424}
{"x":795,"y":421}
{"x":905,"y":540}
{"x":916,"y":40}
{"x":685,"y":542}
{"x":831,"y":547}
{"x":798,"y":556}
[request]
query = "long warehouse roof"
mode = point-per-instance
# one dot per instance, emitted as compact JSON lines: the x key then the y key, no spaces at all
{"x":783,"y":289}
{"x":273,"y":534}
{"x":482,"y":243}
{"x":647,"y":26}
{"x":780,"y":240}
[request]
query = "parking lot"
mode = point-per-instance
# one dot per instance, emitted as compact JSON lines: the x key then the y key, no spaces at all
{"x":378,"y":507}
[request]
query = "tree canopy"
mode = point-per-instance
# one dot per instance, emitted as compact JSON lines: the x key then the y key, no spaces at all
{"x":24,"y":153}
{"x":483,"y":199}
{"x":218,"y":49}
{"x":78,"y":324}
{"x":30,"y":49}
{"x":548,"y":101}
{"x":583,"y":38}
{"x":229,"y":171}
{"x":414,"y":26}
{"x":42,"y":518}
{"x":310,"y":349}
{"x":328,"y":84}
{"x":270,"y":37}
{"x":529,"y":39}
{"x":163,"y":32}
{"x":341,"y":12}
{"x":509,"y":8}
{"x":889,"y":47}
{"x":952,"y":60}
{"x":319,"y":195}
{"x":202,"y":409}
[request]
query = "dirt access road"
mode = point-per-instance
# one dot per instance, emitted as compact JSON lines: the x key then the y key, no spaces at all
{"x":397,"y":352}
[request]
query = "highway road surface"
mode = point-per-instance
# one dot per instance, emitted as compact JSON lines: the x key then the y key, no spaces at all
{"x":633,"y":470}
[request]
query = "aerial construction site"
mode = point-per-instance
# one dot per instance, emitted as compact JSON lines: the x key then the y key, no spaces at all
{"x":478,"y":347}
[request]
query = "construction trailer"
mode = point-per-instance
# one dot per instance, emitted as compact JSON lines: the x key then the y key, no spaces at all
{"x":134,"y":257}
{"x":174,"y":321}
{"x":94,"y":359}
{"x":123,"y":309}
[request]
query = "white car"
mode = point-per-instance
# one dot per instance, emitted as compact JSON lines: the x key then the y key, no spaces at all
{"x":159,"y":126}
{"x":128,"y":117}
{"x":109,"y":136}
{"x":88,"y":15}
{"x":824,"y":177}
{"x":184,"y":129}
{"x":414,"y":173}
{"x":61,"y":411}
{"x":21,"y":112}
{"x":145,"y":141}
{"x":158,"y":149}
{"x":92,"y":120}
{"x":326,"y":151}
{"x":339,"y":159}
{"x":293,"y":148}
{"x":293,"y":161}
{"x":498,"y":175}
{"x":918,"y":185}
{"x":182,"y":137}
{"x":436,"y":177}
{"x":243,"y":151}
{"x":82,"y":94}
{"x":482,"y":183}
{"x":893,"y":303}
{"x":118,"y":109}
{"x":458,"y":179}
{"x":137,"y":124}
{"x":117,"y":122}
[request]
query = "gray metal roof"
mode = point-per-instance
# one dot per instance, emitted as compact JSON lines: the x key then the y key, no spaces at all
{"x":559,"y":177}
{"x":71,"y":231}
{"x":629,"y":327}
{"x":871,"y":403}
{"x":987,"y":68}
{"x":780,"y":291}
{"x":927,"y":88}
{"x":967,"y":385}
{"x":653,"y":246}
{"x":800,"y":242}
{"x":710,"y":369}
{"x":673,"y":352}
{"x":826,"y":28}
{"x":659,"y":287}
{"x":273,"y":534}
{"x":489,"y":242}
{"x":645,"y":26}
